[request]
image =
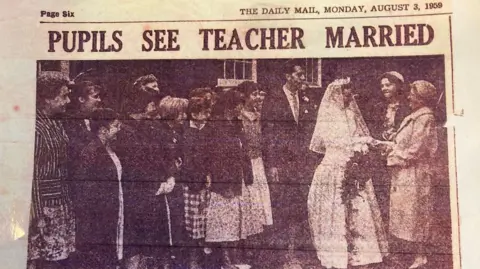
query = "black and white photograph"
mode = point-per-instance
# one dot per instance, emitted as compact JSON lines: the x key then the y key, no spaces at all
{"x":241,"y":163}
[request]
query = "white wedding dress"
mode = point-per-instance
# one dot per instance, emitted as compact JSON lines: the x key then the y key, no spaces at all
{"x":335,"y":129}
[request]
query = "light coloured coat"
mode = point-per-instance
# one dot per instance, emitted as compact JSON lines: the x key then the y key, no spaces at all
{"x":412,"y":164}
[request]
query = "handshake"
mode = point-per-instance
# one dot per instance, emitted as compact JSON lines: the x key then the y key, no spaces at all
{"x":361,"y":144}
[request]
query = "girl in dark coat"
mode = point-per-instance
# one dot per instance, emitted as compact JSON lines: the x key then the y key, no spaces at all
{"x":173,"y":112}
{"x":147,"y":222}
{"x":98,"y":196}
{"x":230,"y":214}
{"x":195,"y":174}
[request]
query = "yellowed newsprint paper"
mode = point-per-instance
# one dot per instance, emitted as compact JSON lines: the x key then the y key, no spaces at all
{"x":237,"y":134}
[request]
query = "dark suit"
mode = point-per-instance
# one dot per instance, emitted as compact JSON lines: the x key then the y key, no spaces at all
{"x":285,"y":140}
{"x":286,"y":148}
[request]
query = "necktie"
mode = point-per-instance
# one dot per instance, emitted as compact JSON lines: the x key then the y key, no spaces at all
{"x":295,"y":106}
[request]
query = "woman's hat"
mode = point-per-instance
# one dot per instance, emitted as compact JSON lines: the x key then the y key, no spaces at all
{"x":425,"y":90}
{"x":393,"y":74}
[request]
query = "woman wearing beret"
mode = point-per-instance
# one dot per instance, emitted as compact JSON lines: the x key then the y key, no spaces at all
{"x":391,"y":111}
{"x":410,"y":159}
{"x":388,"y":115}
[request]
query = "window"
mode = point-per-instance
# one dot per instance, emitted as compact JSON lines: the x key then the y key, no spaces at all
{"x":237,"y":71}
{"x":313,"y":73}
{"x":62,"y":66}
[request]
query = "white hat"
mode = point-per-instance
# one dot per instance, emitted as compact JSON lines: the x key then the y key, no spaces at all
{"x":395,"y":74}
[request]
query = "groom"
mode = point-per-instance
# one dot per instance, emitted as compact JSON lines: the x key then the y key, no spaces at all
{"x":286,"y":147}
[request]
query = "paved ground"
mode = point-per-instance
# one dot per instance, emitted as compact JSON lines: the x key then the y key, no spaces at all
{"x":275,"y":259}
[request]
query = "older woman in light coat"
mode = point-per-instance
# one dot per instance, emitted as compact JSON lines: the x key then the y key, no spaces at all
{"x":411,"y":161}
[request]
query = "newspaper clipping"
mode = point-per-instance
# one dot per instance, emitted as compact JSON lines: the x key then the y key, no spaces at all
{"x":233,"y":135}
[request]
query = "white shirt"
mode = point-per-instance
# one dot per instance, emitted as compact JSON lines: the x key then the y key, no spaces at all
{"x":87,"y":124}
{"x":292,"y":97}
{"x":121,"y":216}
{"x":391,"y":111}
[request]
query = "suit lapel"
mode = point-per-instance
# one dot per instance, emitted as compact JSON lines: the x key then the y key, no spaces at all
{"x":284,"y":107}
{"x":302,"y":105}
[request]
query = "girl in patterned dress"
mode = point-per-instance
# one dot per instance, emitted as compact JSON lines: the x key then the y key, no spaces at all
{"x":226,"y":207}
{"x":195,"y":174}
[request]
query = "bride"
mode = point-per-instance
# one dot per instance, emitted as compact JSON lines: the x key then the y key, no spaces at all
{"x":339,"y":130}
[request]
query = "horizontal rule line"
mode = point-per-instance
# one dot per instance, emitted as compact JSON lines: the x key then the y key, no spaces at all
{"x":243,"y":20}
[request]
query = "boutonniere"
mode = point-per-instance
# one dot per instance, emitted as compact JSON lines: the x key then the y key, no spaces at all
{"x":305,"y":99}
